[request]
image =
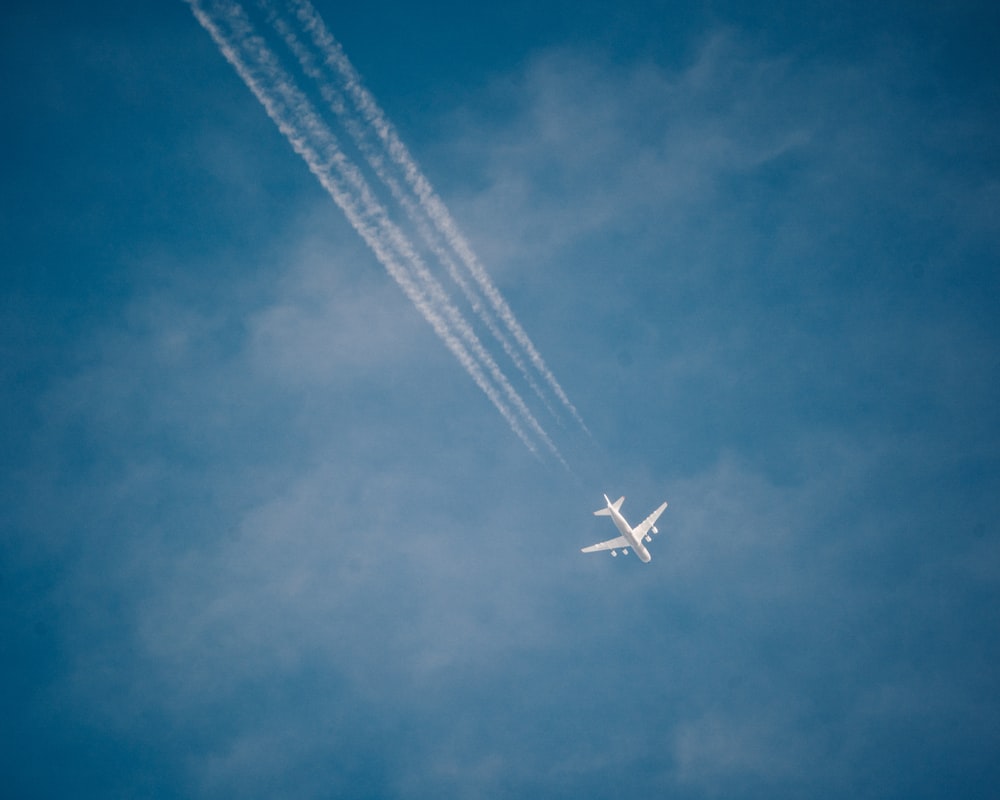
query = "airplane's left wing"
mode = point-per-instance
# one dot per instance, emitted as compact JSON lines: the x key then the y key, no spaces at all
{"x":610,"y":544}
{"x":643,"y":527}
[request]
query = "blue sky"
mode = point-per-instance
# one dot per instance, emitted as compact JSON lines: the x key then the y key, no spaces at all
{"x":263,"y":536}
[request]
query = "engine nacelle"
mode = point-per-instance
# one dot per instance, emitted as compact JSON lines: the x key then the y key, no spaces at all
{"x":614,"y":554}
{"x":655,"y":529}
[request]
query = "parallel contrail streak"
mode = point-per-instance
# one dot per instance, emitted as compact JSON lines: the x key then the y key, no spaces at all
{"x":429,"y":202}
{"x":292,"y":113}
{"x":416,"y":213}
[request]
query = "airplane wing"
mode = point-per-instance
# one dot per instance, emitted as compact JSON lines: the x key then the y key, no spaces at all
{"x":643,"y":527}
{"x":610,"y":544}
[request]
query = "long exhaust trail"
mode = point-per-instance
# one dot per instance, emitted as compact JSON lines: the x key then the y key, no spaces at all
{"x":429,"y":202}
{"x":375,"y":158}
{"x":290,"y":110}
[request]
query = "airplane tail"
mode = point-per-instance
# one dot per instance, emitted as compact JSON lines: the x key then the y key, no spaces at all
{"x":606,"y":511}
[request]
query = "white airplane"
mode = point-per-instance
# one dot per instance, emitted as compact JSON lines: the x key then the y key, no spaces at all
{"x":631,"y":537}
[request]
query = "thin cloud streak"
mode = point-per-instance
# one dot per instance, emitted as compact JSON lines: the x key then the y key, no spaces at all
{"x":429,"y":202}
{"x":291,"y":111}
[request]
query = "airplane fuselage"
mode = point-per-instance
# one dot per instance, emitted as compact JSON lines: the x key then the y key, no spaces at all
{"x":626,"y":530}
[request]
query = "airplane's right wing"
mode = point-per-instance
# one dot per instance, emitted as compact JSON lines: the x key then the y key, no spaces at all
{"x":610,"y":544}
{"x":643,"y":527}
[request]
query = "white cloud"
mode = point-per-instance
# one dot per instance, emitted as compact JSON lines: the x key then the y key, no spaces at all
{"x":719,"y":755}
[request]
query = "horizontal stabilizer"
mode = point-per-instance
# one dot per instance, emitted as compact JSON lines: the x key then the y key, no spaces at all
{"x":606,"y":511}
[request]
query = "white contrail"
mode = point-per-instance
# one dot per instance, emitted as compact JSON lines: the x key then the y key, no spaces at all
{"x":374,"y":156}
{"x":292,"y":113}
{"x":428,"y":200}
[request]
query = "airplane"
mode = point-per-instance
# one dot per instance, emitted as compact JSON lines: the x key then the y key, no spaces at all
{"x":631,"y":537}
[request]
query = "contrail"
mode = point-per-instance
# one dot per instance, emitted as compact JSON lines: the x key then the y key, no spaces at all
{"x":311,"y":139}
{"x":428,"y":200}
{"x":374,"y":156}
{"x":308,"y":135}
